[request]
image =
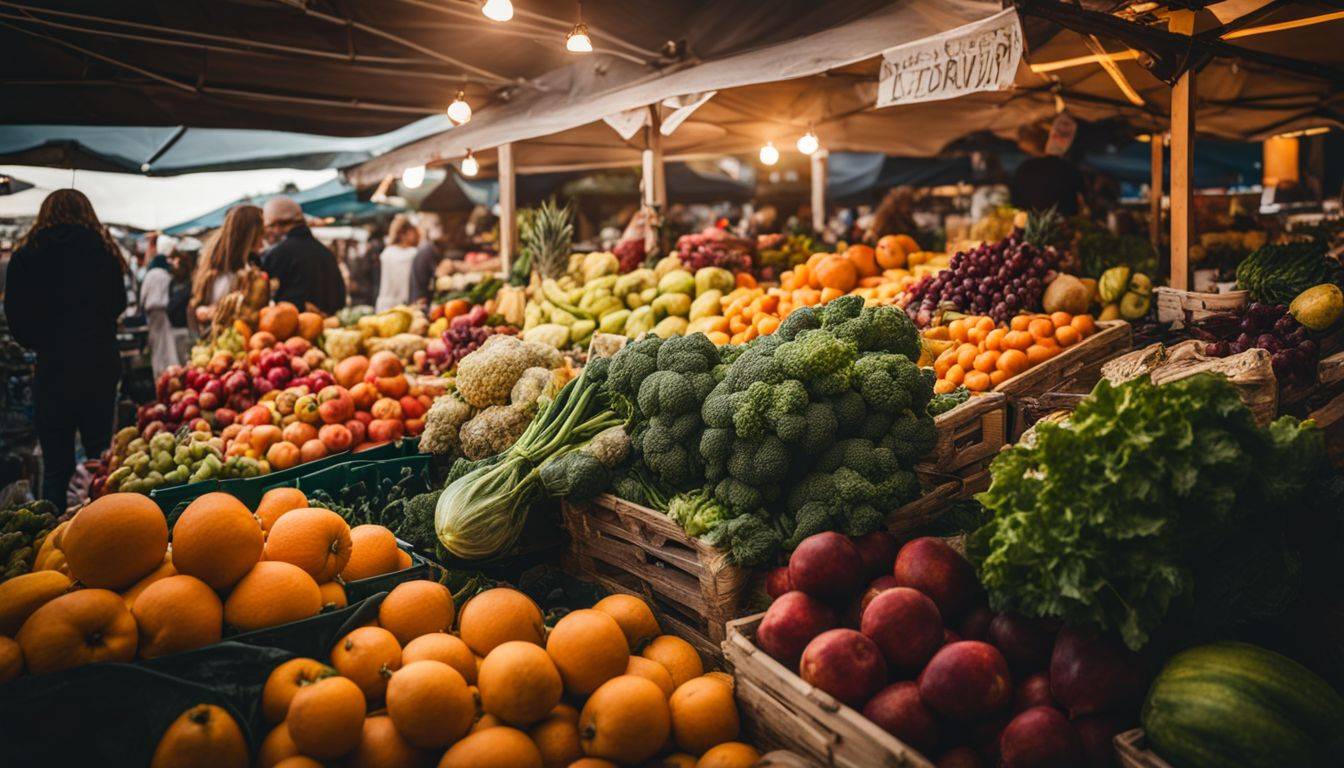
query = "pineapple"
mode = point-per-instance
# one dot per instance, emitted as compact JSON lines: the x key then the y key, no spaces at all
{"x":1043,"y":227}
{"x":546,"y":236}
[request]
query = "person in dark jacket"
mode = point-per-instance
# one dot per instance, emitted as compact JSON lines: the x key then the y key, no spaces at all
{"x":64,"y":295}
{"x":306,"y":270}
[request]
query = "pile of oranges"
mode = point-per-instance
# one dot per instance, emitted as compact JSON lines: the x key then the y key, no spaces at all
{"x":984,"y":355}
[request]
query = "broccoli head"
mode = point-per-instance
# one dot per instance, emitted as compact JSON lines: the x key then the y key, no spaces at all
{"x":814,"y":354}
{"x":880,"y":329}
{"x":887,"y":381}
{"x":749,"y":540}
{"x":693,"y":353}
{"x":696,"y":512}
{"x":762,"y":463}
{"x":797,"y":321}
{"x":578,"y":476}
{"x":839,"y":310}
{"x":738,"y":496}
{"x":417,"y":525}
{"x":627,"y":370}
{"x":666,"y":392}
{"x":673,"y":463}
{"x":911,"y":436}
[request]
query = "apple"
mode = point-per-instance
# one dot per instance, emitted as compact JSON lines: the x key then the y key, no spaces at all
{"x":358,"y":430}
{"x":826,"y":566}
{"x":415,"y":426}
{"x":335,"y":405}
{"x":1025,"y":642}
{"x":336,"y":437}
{"x":876,"y":587}
{"x":975,"y":626}
{"x":1033,"y":691}
{"x":967,"y":680}
{"x":208,"y":401}
{"x":1092,"y":672}
{"x":898,"y":710}
{"x":790,"y":623}
{"x":845,"y":664}
{"x":960,"y":757}
{"x":305,"y":408}
{"x":878,"y":551}
{"x":411,"y":408}
{"x":225,"y":416}
{"x":932,"y":566}
{"x":320,"y":378}
{"x":906,"y":627}
{"x":299,"y":366}
{"x":1040,"y":737}
{"x":777,"y":582}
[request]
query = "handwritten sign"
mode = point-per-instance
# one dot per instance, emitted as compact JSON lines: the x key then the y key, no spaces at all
{"x":981,"y":56}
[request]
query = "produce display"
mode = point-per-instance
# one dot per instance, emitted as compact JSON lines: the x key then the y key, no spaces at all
{"x":715,"y":247}
{"x":24,"y":529}
{"x":1275,"y":274}
{"x":998,"y":279}
{"x":980,"y":356}
{"x":777,"y":253}
{"x":1271,"y":327}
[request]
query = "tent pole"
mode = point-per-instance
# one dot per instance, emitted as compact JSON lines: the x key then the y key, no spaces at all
{"x":655,"y":184}
{"x":1182,"y":161}
{"x":508,"y":208}
{"x":818,"y":163}
{"x":1155,"y":192}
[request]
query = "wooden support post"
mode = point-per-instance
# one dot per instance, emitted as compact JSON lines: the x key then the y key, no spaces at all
{"x":655,"y":184}
{"x":508,"y":207}
{"x":1182,"y":161}
{"x":1155,"y":192}
{"x":819,"y":191}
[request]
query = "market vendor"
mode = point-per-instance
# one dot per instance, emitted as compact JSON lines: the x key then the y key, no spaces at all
{"x":1043,"y":181}
{"x":306,"y":271}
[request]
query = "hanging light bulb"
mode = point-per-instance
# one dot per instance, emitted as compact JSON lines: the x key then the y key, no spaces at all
{"x":460,"y":111}
{"x":578,"y":41}
{"x":769,"y":155}
{"x":469,"y":165}
{"x":497,"y":10}
{"x":413,"y":177}
{"x":808,"y":143}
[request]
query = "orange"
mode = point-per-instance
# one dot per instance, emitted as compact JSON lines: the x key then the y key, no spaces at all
{"x":1060,"y":319}
{"x":1041,"y":328}
{"x":403,"y":560}
{"x":177,"y":614}
{"x":589,"y":648}
{"x":1019,"y":322}
{"x":625,"y":721}
{"x":164,"y":570}
{"x":501,"y":747}
{"x":557,"y":738}
{"x":676,"y":655}
{"x":440,"y":646}
{"x":1017,"y":339}
{"x":333,"y":595}
{"x":675,"y":760}
{"x":368,"y":656}
{"x":205,"y":736}
{"x":957,"y":330}
{"x":966,"y":356}
{"x":956,"y":374}
{"x":276,"y":747}
{"x":382,"y":746}
{"x":519,"y":683}
{"x":415,"y":608}
{"x":977,"y":381}
{"x":486,"y":721}
{"x":994,"y":339}
{"x":703,"y":714}
{"x":11,"y":659}
{"x":277,"y":502}
{"x":985,"y":324}
{"x":326,"y":718}
{"x":998,"y":377}
{"x":1084,"y":325}
{"x":298,"y":761}
{"x":733,"y":754}
{"x":429,"y":704}
{"x":498,"y":615}
{"x":943,"y":386}
{"x":651,"y":670}
{"x":22,"y":595}
{"x":633,"y":615}
{"x":285,"y":681}
{"x":1066,"y":335}
{"x":1037,"y":354}
{"x":217,"y":540}
{"x":78,"y":628}
{"x":593,"y":762}
{"x":115,"y":541}
{"x":986,"y":361}
{"x":1013,"y":362}
{"x":272,"y":593}
{"x":976,"y":336}
{"x":316,"y":540}
{"x":373,"y":552}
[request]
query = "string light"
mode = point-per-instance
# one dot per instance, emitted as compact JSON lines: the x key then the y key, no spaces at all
{"x":469,"y":165}
{"x":497,"y":10}
{"x":808,"y":143}
{"x":578,"y":41}
{"x":413,"y":177}
{"x":460,"y":111}
{"x":769,"y":155}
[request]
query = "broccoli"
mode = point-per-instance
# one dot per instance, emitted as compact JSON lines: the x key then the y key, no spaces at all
{"x":577,"y":475}
{"x":627,"y":370}
{"x":887,"y":382}
{"x":945,"y":402}
{"x":839,"y":310}
{"x":417,"y":526}
{"x":911,"y":436}
{"x":814,"y":355}
{"x":690,"y":354}
{"x":749,"y":540}
{"x":799,"y":320}
{"x":696,"y":512}
{"x":666,"y":392}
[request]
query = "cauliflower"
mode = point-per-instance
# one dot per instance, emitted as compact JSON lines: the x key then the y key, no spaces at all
{"x":442,"y":422}
{"x":486,"y":377}
{"x":493,"y":430}
{"x":534,"y":383}
{"x":403,"y":345}
{"x":340,"y":343}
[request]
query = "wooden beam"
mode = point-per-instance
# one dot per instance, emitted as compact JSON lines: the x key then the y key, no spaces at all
{"x":1182,"y":161}
{"x":1283,"y":25}
{"x":818,"y":163}
{"x":1155,"y":192}
{"x":653,"y":180}
{"x":508,"y":207}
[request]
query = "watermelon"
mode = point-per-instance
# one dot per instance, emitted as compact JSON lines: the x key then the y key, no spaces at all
{"x":1235,"y":705}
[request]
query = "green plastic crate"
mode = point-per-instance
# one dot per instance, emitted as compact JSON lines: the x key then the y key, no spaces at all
{"x":333,"y":479}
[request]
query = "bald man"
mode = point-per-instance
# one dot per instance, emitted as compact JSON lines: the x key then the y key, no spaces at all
{"x":307,"y":272}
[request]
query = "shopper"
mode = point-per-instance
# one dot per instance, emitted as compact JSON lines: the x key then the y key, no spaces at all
{"x":1044,"y":181}
{"x":394,"y":281}
{"x":305,"y":269}
{"x":426,"y":263}
{"x":220,"y":268}
{"x":64,"y":294}
{"x":155,"y":292}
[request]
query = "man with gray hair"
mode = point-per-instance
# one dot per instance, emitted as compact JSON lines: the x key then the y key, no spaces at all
{"x":306,"y":271}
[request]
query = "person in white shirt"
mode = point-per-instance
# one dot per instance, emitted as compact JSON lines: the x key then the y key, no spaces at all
{"x":223,"y":260}
{"x":154,"y":292}
{"x":394,"y":282}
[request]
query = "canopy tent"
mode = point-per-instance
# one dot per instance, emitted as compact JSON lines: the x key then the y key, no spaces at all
{"x":333,"y":200}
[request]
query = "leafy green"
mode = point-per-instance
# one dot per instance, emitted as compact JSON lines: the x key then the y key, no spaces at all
{"x":947,"y":401}
{"x":1150,"y":498}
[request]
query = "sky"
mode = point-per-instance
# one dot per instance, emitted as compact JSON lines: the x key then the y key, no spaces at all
{"x":150,"y":202}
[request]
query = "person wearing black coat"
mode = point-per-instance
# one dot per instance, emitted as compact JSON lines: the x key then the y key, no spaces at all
{"x":64,"y":294}
{"x":307,"y":272}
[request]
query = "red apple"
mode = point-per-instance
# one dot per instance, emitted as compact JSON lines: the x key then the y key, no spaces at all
{"x":933,"y":567}
{"x":876,"y":587}
{"x":357,"y":431}
{"x":1041,"y":737}
{"x":906,"y":626}
{"x":1091,"y":673}
{"x":966,"y":681}
{"x":960,"y":757}
{"x":878,"y":551}
{"x":826,"y":566}
{"x":790,"y":623}
{"x":1097,"y":734}
{"x":898,"y":710}
{"x":336,"y":437}
{"x":976,"y":624}
{"x":1025,"y":642}
{"x":335,"y":405}
{"x":844,"y":664}
{"x":1033,"y":691}
{"x":777,"y":582}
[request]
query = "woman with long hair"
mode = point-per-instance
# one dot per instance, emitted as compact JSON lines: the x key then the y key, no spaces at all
{"x":394,"y":263}
{"x":64,"y":296}
{"x":223,"y":260}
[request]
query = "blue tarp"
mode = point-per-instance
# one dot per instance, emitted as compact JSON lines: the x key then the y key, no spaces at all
{"x":334,"y":199}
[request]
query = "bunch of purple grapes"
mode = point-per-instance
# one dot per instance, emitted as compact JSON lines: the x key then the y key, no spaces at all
{"x":715,"y":248}
{"x":996,"y":279}
{"x":465,"y":339}
{"x":1293,"y":352}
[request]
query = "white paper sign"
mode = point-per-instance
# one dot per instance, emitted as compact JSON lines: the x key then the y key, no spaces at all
{"x":628,"y":123}
{"x":981,"y":56}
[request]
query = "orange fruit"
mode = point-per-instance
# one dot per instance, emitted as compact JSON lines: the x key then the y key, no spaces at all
{"x":1013,"y":362}
{"x":486,"y":721}
{"x":1060,"y":319}
{"x":276,"y":747}
{"x":976,"y":336}
{"x":1084,"y":325}
{"x":326,"y":718}
{"x":403,"y":560}
{"x":593,"y":762}
{"x":497,"y":616}
{"x":1018,"y":340}
{"x":1037,"y":354}
{"x":299,"y":761}
{"x":205,"y":736}
{"x":966,"y":356}
{"x":77,"y":628}
{"x":956,"y":374}
{"x":589,"y":648}
{"x":333,"y":595}
{"x":368,"y":656}
{"x":676,"y":655}
{"x":977,"y":381}
{"x":501,"y":747}
{"x":164,"y":570}
{"x":557,"y":738}
{"x":985,"y":324}
{"x":994,"y":339}
{"x":115,"y":541}
{"x":277,"y":502}
{"x":519,"y":683}
{"x":11,"y":659}
{"x":1041,"y":328}
{"x":429,"y":703}
{"x":373,"y":552}
{"x":703,"y":714}
{"x":441,"y":646}
{"x":217,"y":540}
{"x":651,"y":670}
{"x":957,"y":330}
{"x":985,"y":361}
{"x":626,"y":720}
{"x":943,"y":386}
{"x":633,"y":615}
{"x":733,"y":754}
{"x":316,"y":540}
{"x":675,"y":760}
{"x":382,"y":746}
{"x":22,"y":595}
{"x":272,"y":593}
{"x":1019,"y":322}
{"x":177,"y":614}
{"x":998,"y":377}
{"x":415,"y":608}
{"x":1066,"y":335}
{"x":285,"y":681}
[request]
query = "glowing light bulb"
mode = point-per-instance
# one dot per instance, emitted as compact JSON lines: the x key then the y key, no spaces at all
{"x":769,"y":155}
{"x":459,"y":111}
{"x":469,"y":165}
{"x":497,"y":10}
{"x":413,"y":177}
{"x":808,"y":143}
{"x":577,"y":41}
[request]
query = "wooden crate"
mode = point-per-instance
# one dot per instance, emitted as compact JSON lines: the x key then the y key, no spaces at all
{"x":782,"y":711}
{"x":1114,"y":337}
{"x":1131,"y":751}
{"x":1178,"y":308}
{"x":969,"y":436}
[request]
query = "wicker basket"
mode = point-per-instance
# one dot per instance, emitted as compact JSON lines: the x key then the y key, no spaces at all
{"x":1131,"y":752}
